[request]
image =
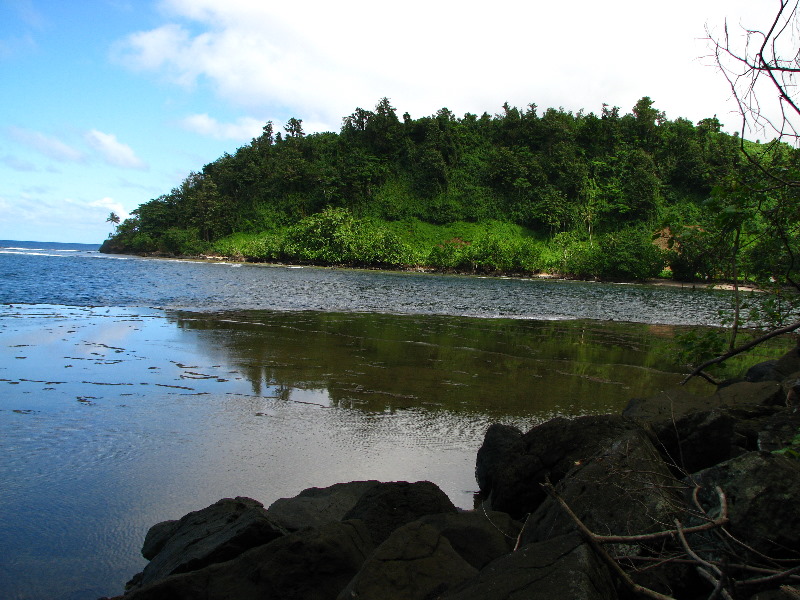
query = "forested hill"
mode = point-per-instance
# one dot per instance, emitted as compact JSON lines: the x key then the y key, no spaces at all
{"x":520,"y":191}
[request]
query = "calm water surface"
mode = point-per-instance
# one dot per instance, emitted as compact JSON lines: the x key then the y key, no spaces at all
{"x":133,"y":391}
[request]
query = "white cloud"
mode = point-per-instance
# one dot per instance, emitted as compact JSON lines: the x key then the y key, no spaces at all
{"x":243,"y":128}
{"x":113,"y":151}
{"x":319,"y":60}
{"x":50,"y":218}
{"x":49,"y":146}
{"x":110,"y":205}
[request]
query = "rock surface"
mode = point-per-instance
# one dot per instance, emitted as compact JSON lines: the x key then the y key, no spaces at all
{"x":624,"y":489}
{"x":562,"y":567}
{"x":211,"y":535}
{"x":387,"y":506}
{"x":762,"y":491}
{"x":696,"y":432}
{"x":313,"y":564}
{"x":316,"y":506}
{"x":549,"y":452}
{"x":478,"y":536}
{"x":416,"y":562}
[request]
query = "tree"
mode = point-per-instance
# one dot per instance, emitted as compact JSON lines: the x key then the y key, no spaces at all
{"x":294,"y":128}
{"x":113,"y":218}
{"x":761,"y":65}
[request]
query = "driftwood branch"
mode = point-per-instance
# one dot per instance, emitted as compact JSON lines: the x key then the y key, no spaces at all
{"x":704,"y":568}
{"x":590,"y":538}
{"x":596,"y":542}
{"x":715,"y":572}
{"x":743,"y":348}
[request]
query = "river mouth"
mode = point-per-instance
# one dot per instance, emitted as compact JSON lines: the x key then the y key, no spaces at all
{"x":113,"y":419}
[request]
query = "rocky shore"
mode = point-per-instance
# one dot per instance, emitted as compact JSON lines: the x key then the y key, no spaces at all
{"x":678,"y":497}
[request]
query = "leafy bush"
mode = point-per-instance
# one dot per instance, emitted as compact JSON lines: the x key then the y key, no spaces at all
{"x":696,"y":346}
{"x":185,"y":242}
{"x":628,"y":254}
{"x":335,"y":236}
{"x":260,"y":246}
{"x":793,"y":449}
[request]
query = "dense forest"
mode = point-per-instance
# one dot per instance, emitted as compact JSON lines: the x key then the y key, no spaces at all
{"x":613,"y":196}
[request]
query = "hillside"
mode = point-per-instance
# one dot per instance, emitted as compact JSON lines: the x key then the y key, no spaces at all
{"x":520,"y":191}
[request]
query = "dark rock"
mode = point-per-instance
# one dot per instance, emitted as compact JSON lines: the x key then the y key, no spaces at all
{"x":778,"y":430}
{"x":479,"y":537}
{"x":562,"y":567}
{"x":625,"y":489}
{"x":763,"y":371}
{"x":775,"y":370}
{"x":501,"y":445}
{"x":157,"y":536}
{"x":696,"y":432}
{"x":746,"y":395}
{"x":315,"y":506}
{"x":214,"y":534}
{"x":416,"y":562}
{"x":762,"y":491}
{"x":788,"y":363}
{"x":312,"y":564}
{"x":387,"y":506}
{"x":550,"y":451}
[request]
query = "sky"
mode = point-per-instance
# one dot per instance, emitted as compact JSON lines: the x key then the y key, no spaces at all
{"x":106,"y":104}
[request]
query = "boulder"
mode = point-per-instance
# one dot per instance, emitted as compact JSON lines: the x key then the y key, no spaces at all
{"x":157,"y":536}
{"x":775,"y":370}
{"x":746,"y":395}
{"x":763,"y":371}
{"x":762,"y":491}
{"x":315,"y":506}
{"x":696,"y":432}
{"x":211,"y":535}
{"x":478,"y":536}
{"x":387,"y":506}
{"x":562,"y":567}
{"x":550,"y":450}
{"x":501,"y":445}
{"x":416,"y":562}
{"x":312,"y":564}
{"x":624,"y":489}
{"x":778,"y":430}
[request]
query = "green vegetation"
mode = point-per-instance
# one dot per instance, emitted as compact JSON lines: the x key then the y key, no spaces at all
{"x":519,"y":192}
{"x":605,"y":196}
{"x":792,"y":450}
{"x":608,"y":196}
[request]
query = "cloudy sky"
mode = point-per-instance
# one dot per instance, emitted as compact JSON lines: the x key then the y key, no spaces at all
{"x":105,"y":104}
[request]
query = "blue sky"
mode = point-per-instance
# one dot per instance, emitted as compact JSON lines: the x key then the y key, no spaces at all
{"x":105,"y":104}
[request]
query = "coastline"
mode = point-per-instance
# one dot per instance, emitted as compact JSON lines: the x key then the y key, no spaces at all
{"x":657,"y":282}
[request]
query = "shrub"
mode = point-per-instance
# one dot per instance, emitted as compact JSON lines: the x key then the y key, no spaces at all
{"x":182,"y":241}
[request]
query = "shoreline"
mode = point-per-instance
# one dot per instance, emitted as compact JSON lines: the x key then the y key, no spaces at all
{"x":656,"y":282}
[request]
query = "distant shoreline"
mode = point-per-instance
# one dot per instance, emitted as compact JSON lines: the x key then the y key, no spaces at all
{"x":711,"y":285}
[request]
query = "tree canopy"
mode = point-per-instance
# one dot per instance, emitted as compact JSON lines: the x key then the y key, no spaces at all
{"x":596,"y":188}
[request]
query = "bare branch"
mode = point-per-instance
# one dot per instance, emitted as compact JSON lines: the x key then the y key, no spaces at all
{"x":781,"y":576}
{"x":742,"y":348}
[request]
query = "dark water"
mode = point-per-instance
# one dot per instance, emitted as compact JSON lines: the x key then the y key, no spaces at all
{"x":133,"y":391}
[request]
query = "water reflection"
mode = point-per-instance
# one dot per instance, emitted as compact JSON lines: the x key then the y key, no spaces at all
{"x":114,"y":419}
{"x":383,"y":362}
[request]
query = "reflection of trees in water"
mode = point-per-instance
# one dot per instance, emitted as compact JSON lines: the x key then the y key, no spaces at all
{"x":382,"y":362}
